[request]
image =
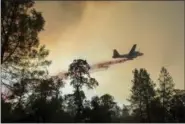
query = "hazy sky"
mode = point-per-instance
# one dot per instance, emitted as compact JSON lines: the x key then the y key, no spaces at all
{"x":91,"y":30}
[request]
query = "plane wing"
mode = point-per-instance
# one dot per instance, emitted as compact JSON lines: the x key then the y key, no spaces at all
{"x":133,"y":49}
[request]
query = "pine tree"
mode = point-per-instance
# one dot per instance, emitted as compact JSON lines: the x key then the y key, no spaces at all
{"x":165,"y":92}
{"x":142,"y":94}
{"x":177,"y":106}
{"x":79,"y":75}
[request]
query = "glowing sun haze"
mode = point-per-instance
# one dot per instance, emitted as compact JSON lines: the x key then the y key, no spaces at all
{"x":91,"y":30}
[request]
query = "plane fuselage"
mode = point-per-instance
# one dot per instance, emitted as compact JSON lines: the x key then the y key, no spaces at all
{"x":129,"y":56}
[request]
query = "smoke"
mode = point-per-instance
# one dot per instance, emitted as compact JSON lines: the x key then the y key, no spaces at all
{"x":92,"y":29}
{"x":59,"y":16}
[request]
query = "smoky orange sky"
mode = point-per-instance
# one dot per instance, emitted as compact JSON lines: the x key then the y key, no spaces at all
{"x":91,"y":30}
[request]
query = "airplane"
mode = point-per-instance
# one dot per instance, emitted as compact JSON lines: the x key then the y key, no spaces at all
{"x":130,"y":56}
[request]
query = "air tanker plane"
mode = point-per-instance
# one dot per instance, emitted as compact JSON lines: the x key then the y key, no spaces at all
{"x":131,"y":55}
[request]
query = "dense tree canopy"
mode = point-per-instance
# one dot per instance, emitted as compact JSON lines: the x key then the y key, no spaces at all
{"x":22,"y":58}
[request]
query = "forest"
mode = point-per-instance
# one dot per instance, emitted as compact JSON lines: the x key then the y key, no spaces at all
{"x":32,"y":95}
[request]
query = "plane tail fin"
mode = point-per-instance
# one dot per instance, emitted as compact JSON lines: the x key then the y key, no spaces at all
{"x":115,"y":53}
{"x":133,"y":49}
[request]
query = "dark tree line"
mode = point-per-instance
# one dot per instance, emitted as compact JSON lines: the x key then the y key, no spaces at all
{"x":34,"y":96}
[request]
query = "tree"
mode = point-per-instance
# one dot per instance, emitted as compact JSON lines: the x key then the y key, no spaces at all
{"x":5,"y":111}
{"x":46,"y":101}
{"x":87,"y":111}
{"x":165,"y":92}
{"x":142,"y":94}
{"x":22,"y":58}
{"x":104,"y":109}
{"x":96,"y":114}
{"x":125,"y":114}
{"x":156,"y":110}
{"x":79,"y":74}
{"x":20,"y":26}
{"x":116,"y":113}
{"x":177,"y":106}
{"x":21,"y":55}
{"x":107,"y":104}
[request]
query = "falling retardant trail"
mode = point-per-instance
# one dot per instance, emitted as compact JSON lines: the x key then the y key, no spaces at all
{"x":96,"y":67}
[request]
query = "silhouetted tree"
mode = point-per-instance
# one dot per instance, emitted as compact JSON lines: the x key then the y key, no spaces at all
{"x":177,"y":106}
{"x":165,"y":92}
{"x":6,"y":115}
{"x":46,"y":101}
{"x":21,"y":55}
{"x":79,"y":74}
{"x":20,"y":24}
{"x":87,"y":111}
{"x":142,"y":94}
{"x":107,"y":104}
{"x":104,"y":109}
{"x":96,"y":114}
{"x":125,"y":114}
{"x":37,"y":97}
{"x":22,"y":58}
{"x":70,"y":105}
{"x":116,"y":114}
